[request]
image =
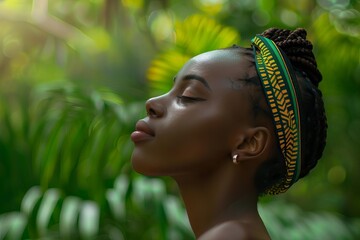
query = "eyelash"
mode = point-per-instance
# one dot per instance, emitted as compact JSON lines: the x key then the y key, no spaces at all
{"x":186,"y":99}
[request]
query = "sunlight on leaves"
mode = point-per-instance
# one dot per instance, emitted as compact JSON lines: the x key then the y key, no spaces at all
{"x":12,"y":225}
{"x":211,"y":7}
{"x":198,"y":34}
{"x":286,"y":221}
{"x":30,"y":199}
{"x":47,"y":206}
{"x":15,"y":4}
{"x":72,"y":136}
{"x":195,"y":35}
{"x":161,"y":25}
{"x":69,"y":215}
{"x":133,"y":4}
{"x":89,"y":219}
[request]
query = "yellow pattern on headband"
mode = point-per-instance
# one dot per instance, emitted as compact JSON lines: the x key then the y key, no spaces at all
{"x":281,"y":91}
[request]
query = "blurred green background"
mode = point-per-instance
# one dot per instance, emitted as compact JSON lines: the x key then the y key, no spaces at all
{"x":74,"y":78}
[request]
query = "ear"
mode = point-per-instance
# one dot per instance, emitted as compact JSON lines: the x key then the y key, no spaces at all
{"x":252,"y":144}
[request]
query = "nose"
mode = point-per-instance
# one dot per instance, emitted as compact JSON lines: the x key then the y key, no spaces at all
{"x":155,"y":107}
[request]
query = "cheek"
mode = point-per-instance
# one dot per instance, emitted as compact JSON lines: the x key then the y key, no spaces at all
{"x":185,"y":140}
{"x":196,"y":131}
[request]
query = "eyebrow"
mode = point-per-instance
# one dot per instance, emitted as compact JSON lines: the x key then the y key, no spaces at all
{"x":197,"y":78}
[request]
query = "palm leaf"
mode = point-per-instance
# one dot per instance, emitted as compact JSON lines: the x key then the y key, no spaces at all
{"x":51,"y":214}
{"x":195,"y":35}
{"x":69,"y":217}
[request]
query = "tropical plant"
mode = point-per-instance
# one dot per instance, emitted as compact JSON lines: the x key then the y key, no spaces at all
{"x":140,"y":202}
{"x":128,"y":205}
{"x":165,"y":66}
{"x":72,"y":86}
{"x":69,"y":139}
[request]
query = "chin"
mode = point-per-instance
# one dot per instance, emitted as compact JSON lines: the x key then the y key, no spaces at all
{"x":144,"y":167}
{"x":137,"y":165}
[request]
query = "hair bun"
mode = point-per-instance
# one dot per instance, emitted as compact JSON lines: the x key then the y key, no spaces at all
{"x":298,"y":49}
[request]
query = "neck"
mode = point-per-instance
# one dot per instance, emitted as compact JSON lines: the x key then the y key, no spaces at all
{"x":211,"y":198}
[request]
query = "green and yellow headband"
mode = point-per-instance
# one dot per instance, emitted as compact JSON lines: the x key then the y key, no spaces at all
{"x":282,"y":94}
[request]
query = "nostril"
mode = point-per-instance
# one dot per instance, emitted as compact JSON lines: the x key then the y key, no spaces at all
{"x":155,"y":107}
{"x":151,"y":113}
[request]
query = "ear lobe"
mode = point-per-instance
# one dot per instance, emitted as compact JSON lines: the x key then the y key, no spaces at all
{"x":254,"y":144}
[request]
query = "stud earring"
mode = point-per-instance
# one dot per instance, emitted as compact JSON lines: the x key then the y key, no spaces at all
{"x":235,"y":159}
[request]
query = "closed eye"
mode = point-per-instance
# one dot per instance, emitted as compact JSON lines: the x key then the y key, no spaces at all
{"x":187,"y":99}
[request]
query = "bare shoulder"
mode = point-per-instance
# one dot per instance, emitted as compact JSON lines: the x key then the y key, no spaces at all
{"x":234,"y":230}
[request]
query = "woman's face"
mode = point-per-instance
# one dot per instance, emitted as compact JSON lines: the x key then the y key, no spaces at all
{"x":193,"y":127}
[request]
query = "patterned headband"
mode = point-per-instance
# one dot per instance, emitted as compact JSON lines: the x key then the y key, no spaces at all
{"x":282,"y":94}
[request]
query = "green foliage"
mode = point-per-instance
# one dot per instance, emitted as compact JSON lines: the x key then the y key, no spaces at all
{"x":128,"y":205}
{"x":285,"y":221}
{"x":72,"y":86}
{"x":141,"y":202}
{"x":195,"y":35}
{"x":69,"y":139}
{"x":337,"y":38}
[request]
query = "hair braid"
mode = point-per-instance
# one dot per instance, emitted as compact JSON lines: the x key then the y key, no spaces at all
{"x":314,"y":123}
{"x":298,"y":49}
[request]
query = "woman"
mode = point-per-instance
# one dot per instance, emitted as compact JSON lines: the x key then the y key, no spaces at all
{"x":238,"y":123}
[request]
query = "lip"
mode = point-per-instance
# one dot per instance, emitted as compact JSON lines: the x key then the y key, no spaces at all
{"x":142,"y":132}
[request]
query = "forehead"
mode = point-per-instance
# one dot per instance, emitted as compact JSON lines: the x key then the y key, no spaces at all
{"x":218,"y":65}
{"x":226,"y":55}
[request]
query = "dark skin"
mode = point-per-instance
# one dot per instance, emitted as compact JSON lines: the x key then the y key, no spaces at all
{"x":191,"y":134}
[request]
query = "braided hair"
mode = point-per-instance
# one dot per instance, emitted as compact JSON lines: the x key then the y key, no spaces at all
{"x":313,"y":121}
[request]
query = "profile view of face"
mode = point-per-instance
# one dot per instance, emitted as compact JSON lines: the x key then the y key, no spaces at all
{"x":190,"y":129}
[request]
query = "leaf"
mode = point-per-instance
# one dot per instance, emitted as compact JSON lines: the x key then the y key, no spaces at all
{"x":285,"y":221}
{"x":176,"y":214}
{"x":116,"y":197}
{"x":197,"y":34}
{"x":12,"y":225}
{"x":30,"y":199}
{"x":69,"y":215}
{"x":46,"y":210}
{"x":89,"y":219}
